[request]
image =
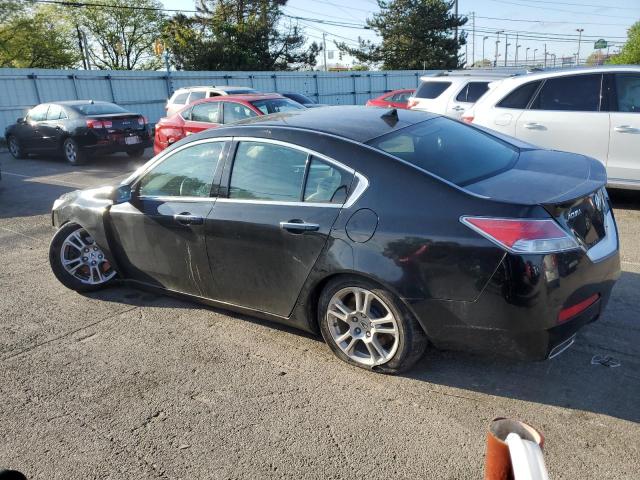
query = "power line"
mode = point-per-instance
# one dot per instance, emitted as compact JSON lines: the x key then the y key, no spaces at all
{"x":580,"y":4}
{"x":558,"y":9}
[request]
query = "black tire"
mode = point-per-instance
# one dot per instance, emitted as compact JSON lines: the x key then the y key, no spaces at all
{"x":137,"y":153}
{"x":55,"y":259}
{"x":15,"y":149}
{"x":72,"y":152}
{"x":412,"y":340}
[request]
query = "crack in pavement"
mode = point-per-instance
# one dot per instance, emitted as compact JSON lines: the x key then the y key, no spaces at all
{"x":59,"y":337}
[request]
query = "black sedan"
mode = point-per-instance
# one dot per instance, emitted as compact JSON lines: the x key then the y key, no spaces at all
{"x":302,"y":99}
{"x":77,"y":128}
{"x":384,"y":230}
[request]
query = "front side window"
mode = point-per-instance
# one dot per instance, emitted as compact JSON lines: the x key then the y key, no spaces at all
{"x":234,"y":112}
{"x":453,"y":151}
{"x":186,"y":173}
{"x":264,"y":171}
{"x":205,"y":112}
{"x":520,"y":97}
{"x":431,"y":89}
{"x":628,"y":92}
{"x":326,"y":183}
{"x":577,"y":93}
{"x":38,"y":114}
{"x":275,"y":105}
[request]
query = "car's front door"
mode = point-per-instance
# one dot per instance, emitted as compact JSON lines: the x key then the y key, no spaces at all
{"x":566,"y":115}
{"x":202,"y":117}
{"x":267,"y":230}
{"x":159,"y":234}
{"x":624,"y":140}
{"x":51,"y":129}
{"x":30,"y":134}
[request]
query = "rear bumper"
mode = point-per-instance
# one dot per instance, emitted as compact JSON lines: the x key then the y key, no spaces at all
{"x":110,"y":143}
{"x":517,"y":313}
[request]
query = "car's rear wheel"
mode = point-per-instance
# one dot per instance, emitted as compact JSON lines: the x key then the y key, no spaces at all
{"x":77,"y":261}
{"x":137,"y":153}
{"x":72,"y":152}
{"x":15,"y":148}
{"x":367,"y":326}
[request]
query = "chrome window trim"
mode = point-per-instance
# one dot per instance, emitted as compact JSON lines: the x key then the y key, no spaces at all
{"x":280,"y":203}
{"x":608,"y":245}
{"x":170,"y":198}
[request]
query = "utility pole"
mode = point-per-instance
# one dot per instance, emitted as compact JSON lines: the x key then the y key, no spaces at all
{"x":534,"y":56}
{"x":473,"y":36}
{"x":545,"y":55}
{"x":495,"y":62}
{"x":506,"y":48}
{"x":466,"y":50}
{"x":324,"y":49}
{"x":456,"y":11}
{"x":515,"y":64}
{"x":526,"y":56}
{"x":579,"y":30}
{"x":483,"y":57}
{"x":554,"y":59}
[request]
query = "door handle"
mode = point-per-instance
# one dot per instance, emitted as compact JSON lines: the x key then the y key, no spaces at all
{"x":534,"y":126}
{"x":458,"y":109}
{"x":188,"y":219}
{"x":626,"y":129}
{"x":298,"y":226}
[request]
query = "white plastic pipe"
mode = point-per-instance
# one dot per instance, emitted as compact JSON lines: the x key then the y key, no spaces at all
{"x":526,"y":459}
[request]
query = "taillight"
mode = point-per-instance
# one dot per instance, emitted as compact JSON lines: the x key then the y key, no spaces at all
{"x":570,"y":312}
{"x":467,"y":119}
{"x":107,"y":123}
{"x":412,"y":102}
{"x":94,"y":123}
{"x":523,"y":235}
{"x":142,"y":121}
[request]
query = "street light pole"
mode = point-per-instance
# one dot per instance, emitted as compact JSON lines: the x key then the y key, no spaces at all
{"x":495,"y":62}
{"x":506,"y":48}
{"x":483,"y":57}
{"x":324,"y":49}
{"x":526,"y":56}
{"x":517,"y":48}
{"x":579,"y":30}
{"x":534,"y":56}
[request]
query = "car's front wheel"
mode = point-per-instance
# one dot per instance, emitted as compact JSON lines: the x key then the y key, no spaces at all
{"x":15,"y":148}
{"x":77,"y":261}
{"x":72,"y":152}
{"x":368,"y":326}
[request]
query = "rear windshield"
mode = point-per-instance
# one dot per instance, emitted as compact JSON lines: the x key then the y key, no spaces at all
{"x":275,"y":105}
{"x":431,"y":89}
{"x":99,"y":109}
{"x":240,"y":91}
{"x":453,"y":151}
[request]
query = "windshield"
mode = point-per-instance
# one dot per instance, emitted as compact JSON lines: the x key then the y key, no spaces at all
{"x":275,"y":105}
{"x":458,"y":153}
{"x":99,"y":109}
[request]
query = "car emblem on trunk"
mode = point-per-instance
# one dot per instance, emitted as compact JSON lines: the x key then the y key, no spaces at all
{"x":574,"y":213}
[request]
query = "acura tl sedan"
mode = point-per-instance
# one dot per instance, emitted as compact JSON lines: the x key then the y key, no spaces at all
{"x":384,"y":230}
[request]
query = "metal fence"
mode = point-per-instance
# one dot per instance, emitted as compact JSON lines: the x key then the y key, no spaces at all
{"x":147,"y":92}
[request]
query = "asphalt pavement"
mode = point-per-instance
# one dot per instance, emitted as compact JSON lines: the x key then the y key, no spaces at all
{"x":125,"y":384}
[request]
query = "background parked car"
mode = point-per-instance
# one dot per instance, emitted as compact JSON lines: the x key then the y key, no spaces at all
{"x":302,"y":99}
{"x":76,"y":128}
{"x":592,"y":111}
{"x":393,"y":99}
{"x":188,"y":95}
{"x":451,"y":94}
{"x":213,"y":112}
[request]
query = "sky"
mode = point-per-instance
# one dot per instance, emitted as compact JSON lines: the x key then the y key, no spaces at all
{"x":530,"y":19}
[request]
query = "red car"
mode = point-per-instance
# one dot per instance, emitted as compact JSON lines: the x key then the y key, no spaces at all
{"x":213,"y":112}
{"x":393,"y":99}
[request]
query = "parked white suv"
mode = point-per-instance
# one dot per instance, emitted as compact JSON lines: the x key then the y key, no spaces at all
{"x":187,"y":95}
{"x":451,"y":93}
{"x":592,"y":111}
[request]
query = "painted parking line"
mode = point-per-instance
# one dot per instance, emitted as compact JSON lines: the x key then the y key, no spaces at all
{"x":46,"y":180}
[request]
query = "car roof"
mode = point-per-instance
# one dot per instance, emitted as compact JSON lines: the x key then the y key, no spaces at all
{"x":224,"y":88}
{"x":463,"y":78}
{"x":357,"y":123}
{"x":72,"y":103}
{"x":246,"y":97}
{"x":561,"y":72}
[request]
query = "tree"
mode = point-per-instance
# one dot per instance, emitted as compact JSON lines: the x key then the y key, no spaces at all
{"x":415,"y":34}
{"x":630,"y":53}
{"x":36,"y":37}
{"x":121,"y":33}
{"x":238,"y":35}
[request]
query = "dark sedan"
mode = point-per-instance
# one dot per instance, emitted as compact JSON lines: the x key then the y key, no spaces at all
{"x":77,"y":128}
{"x":382,"y":229}
{"x":302,"y":99}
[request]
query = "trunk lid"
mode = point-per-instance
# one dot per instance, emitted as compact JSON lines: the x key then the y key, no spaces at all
{"x":120,"y":122}
{"x":568,"y":186}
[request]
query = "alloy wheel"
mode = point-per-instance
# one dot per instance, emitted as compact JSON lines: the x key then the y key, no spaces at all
{"x":70,"y":152}
{"x":82,"y":258}
{"x":363,"y":326}
{"x":14,"y":148}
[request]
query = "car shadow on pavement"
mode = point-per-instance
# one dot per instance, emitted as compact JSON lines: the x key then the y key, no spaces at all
{"x":625,"y":199}
{"x":569,"y":380}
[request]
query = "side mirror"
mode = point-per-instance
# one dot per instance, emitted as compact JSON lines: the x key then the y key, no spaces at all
{"x":20,"y":120}
{"x":121,"y":194}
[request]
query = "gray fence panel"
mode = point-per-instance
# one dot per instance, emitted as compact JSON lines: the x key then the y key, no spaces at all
{"x":146,"y":92}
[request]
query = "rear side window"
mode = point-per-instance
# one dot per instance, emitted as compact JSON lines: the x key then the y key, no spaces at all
{"x":520,"y":97}
{"x":628,"y":92}
{"x":56,"y":112}
{"x":472,"y":92}
{"x":453,"y":151}
{"x":199,"y":95}
{"x":264,"y":171}
{"x":431,"y":89}
{"x":577,"y":93}
{"x":234,"y":112}
{"x":180,"y":99}
{"x":326,"y":183}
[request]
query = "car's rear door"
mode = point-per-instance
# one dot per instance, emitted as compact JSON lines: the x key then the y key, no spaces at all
{"x":51,"y":129}
{"x":565,"y":115}
{"x":623,"y":161}
{"x":159,"y":234}
{"x":202,"y":117}
{"x":270,"y":224}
